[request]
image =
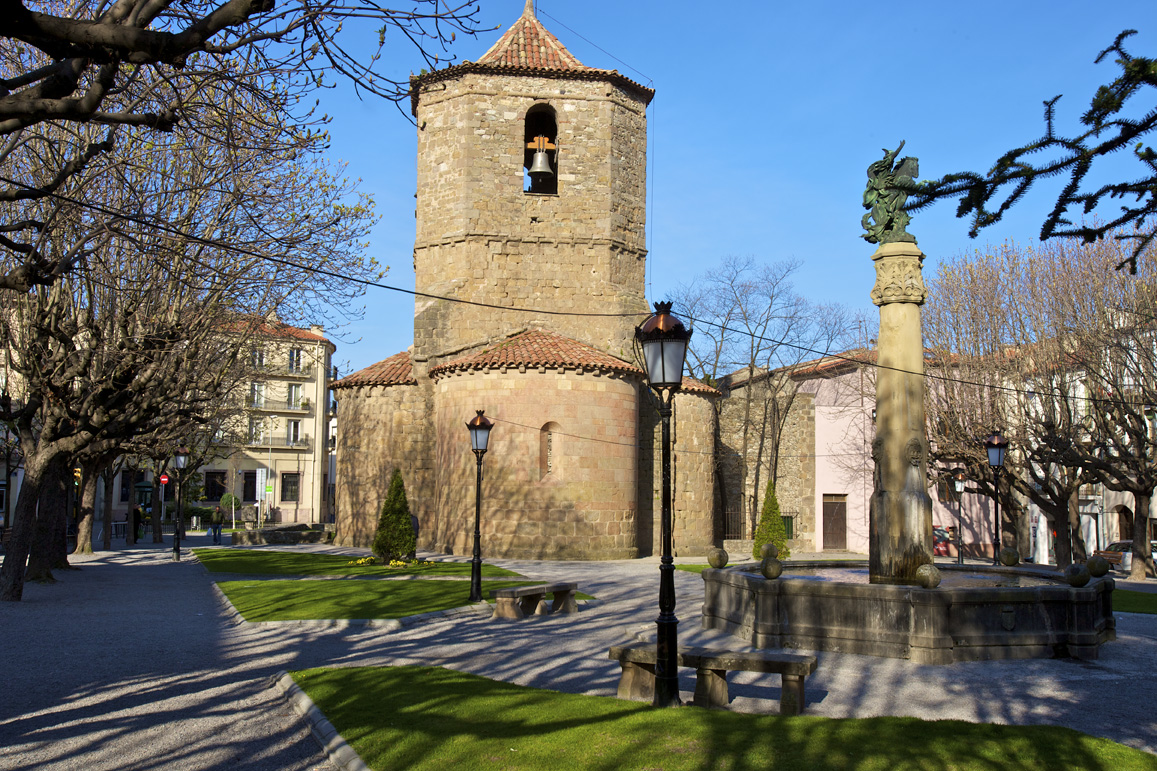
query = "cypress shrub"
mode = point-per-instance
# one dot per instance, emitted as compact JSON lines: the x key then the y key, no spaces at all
{"x":395,"y":537}
{"x":770,"y":526}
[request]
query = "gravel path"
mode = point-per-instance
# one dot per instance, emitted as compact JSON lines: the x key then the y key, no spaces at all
{"x":132,"y":662}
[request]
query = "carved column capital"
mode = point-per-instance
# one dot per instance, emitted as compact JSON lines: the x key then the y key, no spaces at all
{"x":898,"y":275}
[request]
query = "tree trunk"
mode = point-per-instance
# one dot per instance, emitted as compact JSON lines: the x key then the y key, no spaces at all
{"x":1080,"y":550}
{"x":1063,"y":545}
{"x":106,"y":515}
{"x":158,"y":507}
{"x":49,"y":534}
{"x":23,"y":522}
{"x":109,"y":476}
{"x":1142,"y":548}
{"x":87,"y":504}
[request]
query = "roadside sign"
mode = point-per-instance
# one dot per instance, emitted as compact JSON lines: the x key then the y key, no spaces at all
{"x":269,"y":489}
{"x":164,"y":479}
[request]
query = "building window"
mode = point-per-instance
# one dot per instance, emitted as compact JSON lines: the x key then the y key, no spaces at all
{"x":249,"y":488}
{"x":257,"y":358}
{"x":292,"y":432}
{"x":294,"y":396}
{"x":290,"y":487}
{"x":256,"y":431}
{"x":541,"y":139}
{"x":256,"y":395}
{"x":547,"y":450}
{"x":214,"y":485}
{"x":294,"y":360}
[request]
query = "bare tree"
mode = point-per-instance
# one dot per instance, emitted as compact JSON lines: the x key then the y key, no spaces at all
{"x":77,"y":80}
{"x":750,"y":328}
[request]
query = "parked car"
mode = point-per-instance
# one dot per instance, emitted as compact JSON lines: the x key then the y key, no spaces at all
{"x":1125,"y":549}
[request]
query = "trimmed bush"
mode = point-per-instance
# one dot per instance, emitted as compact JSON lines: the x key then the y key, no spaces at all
{"x":229,"y":501}
{"x":770,"y":528}
{"x":395,"y":537}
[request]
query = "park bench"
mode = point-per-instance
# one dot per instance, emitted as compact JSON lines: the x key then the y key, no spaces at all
{"x":522,"y":601}
{"x":1112,"y":557}
{"x":638,"y":679}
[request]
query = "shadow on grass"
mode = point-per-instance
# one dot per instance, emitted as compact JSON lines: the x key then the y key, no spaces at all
{"x":427,"y":718}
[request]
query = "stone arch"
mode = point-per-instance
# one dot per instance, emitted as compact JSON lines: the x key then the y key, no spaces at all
{"x":540,"y":133}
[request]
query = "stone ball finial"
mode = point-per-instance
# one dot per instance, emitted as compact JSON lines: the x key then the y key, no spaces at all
{"x":928,"y":576}
{"x":1009,"y":556}
{"x":1097,"y":566}
{"x":769,"y":549}
{"x":1077,"y":574}
{"x":717,"y":558}
{"x":771,"y":568}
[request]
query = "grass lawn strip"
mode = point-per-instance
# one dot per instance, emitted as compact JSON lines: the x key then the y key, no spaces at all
{"x":289,"y":563}
{"x":1128,"y":601}
{"x":433,"y":718}
{"x":344,"y":600}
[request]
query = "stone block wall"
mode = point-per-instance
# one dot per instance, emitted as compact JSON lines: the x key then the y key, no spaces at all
{"x":480,"y":237}
{"x":569,"y":496}
{"x":796,"y":474}
{"x":692,"y":475}
{"x":381,"y":429}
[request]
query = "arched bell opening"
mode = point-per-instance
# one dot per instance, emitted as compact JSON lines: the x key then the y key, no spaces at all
{"x":540,"y":153}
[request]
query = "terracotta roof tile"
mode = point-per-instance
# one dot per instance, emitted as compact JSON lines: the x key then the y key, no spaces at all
{"x":693,"y":386}
{"x":538,"y":348}
{"x":528,"y":44}
{"x":396,"y":370}
{"x":269,"y":328}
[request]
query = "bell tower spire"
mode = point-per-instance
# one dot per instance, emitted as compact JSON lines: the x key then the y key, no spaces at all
{"x":529,"y":10}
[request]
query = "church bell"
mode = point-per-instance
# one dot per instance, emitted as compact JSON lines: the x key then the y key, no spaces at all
{"x":540,"y":165}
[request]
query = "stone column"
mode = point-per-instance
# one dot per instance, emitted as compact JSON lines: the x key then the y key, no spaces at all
{"x":900,"y":514}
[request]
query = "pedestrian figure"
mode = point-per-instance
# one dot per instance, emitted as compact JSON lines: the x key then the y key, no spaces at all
{"x":215,"y":522}
{"x":137,"y":529}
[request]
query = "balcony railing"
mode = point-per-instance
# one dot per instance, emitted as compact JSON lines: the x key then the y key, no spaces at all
{"x":277,"y":405}
{"x":302,"y":443}
{"x":284,"y":370}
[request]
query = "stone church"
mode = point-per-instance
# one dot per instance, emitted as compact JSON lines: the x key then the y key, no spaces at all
{"x":529,"y":259}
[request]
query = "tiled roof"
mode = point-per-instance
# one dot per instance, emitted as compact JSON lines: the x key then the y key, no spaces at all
{"x":396,"y":370}
{"x":529,"y":44}
{"x":272,"y":328}
{"x":538,"y":348}
{"x":529,"y":49}
{"x":693,"y":386}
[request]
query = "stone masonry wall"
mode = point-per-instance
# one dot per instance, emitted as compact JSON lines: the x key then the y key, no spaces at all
{"x":572,"y":496}
{"x":795,"y":483}
{"x":693,"y":477}
{"x":481,"y":238}
{"x":380,"y":429}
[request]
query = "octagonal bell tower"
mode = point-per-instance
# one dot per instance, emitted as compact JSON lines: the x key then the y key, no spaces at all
{"x":569,"y":237}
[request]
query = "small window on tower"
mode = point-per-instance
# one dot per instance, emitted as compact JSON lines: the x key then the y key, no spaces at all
{"x":540,"y":154}
{"x":547,"y":450}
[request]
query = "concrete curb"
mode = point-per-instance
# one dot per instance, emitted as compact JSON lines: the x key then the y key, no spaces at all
{"x":332,"y":743}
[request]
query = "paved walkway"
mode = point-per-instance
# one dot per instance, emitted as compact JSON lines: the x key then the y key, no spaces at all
{"x":131,"y":663}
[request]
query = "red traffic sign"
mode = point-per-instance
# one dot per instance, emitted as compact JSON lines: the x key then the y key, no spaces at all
{"x":164,"y":479}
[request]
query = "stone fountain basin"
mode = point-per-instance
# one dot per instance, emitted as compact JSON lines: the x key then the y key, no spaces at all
{"x":928,"y":626}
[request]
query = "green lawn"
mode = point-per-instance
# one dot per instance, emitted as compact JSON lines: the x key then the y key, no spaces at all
{"x":432,"y":718}
{"x":692,"y":568}
{"x":1127,"y":601}
{"x":313,"y":600}
{"x":287,"y":563}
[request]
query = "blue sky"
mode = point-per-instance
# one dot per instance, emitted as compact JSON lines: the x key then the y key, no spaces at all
{"x":765,"y":119}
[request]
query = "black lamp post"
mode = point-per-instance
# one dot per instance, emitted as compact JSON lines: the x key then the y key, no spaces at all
{"x":664,"y":338}
{"x":958,"y":477}
{"x":180,"y":459}
{"x":479,"y":426}
{"x":997,"y":446}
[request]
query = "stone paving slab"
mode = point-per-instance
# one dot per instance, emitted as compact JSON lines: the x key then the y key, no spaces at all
{"x":133,"y":662}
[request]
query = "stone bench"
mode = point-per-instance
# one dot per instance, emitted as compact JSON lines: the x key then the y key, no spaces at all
{"x":522,"y":601}
{"x":711,"y":667}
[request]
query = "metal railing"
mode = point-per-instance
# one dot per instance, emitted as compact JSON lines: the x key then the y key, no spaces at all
{"x":301,"y":443}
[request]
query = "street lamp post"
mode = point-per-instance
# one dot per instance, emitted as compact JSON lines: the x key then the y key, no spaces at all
{"x":664,"y":339}
{"x":997,"y":446}
{"x":180,"y":459}
{"x":958,"y":477}
{"x":479,"y":426}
